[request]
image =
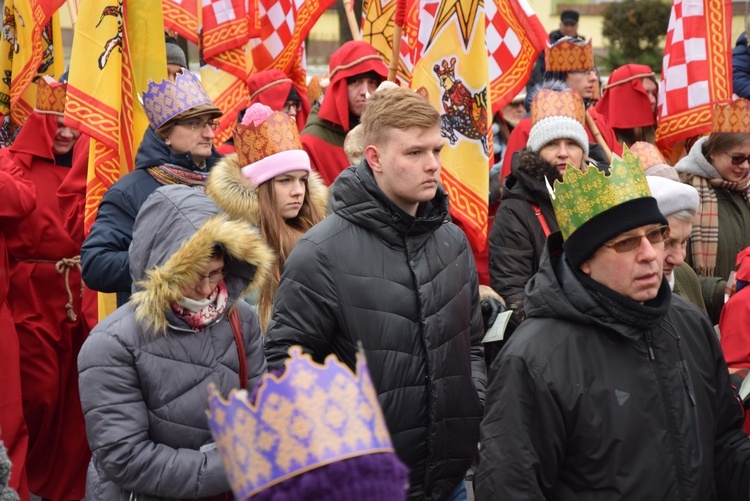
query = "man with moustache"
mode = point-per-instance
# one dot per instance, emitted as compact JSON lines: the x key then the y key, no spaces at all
{"x":388,"y":273}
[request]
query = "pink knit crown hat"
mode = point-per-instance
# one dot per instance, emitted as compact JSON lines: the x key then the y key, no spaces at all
{"x":268,"y":144}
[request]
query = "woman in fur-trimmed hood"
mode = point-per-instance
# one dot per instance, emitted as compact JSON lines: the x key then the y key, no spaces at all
{"x":144,"y":370}
{"x":273,"y":189}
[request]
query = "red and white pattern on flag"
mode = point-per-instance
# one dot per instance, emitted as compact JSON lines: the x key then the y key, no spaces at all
{"x":284,"y":26}
{"x":226,"y":26}
{"x":697,"y":68}
{"x":515,"y":38}
{"x":181,"y":16}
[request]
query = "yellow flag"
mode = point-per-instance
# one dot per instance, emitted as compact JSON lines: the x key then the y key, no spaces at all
{"x":116,"y":49}
{"x":452,"y":65}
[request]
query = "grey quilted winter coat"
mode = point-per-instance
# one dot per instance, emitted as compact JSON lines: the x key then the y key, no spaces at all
{"x":144,"y":373}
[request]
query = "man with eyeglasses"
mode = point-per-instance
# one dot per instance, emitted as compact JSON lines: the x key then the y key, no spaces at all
{"x":613,"y":387}
{"x":570,"y":61}
{"x":177,"y":148}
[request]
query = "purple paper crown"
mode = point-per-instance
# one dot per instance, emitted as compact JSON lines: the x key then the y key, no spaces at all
{"x":310,"y":416}
{"x":167,"y":99}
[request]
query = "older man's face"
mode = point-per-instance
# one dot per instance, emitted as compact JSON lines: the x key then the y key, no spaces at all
{"x":675,"y":247}
{"x":635,"y":273}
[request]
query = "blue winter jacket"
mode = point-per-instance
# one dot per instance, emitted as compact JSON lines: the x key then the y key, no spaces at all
{"x":104,"y":255}
{"x":741,"y":67}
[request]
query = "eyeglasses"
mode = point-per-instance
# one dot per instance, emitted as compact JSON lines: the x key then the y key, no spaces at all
{"x":214,"y":277}
{"x":291,"y":105}
{"x":655,"y":236}
{"x":199,"y":124}
{"x":738,"y":159}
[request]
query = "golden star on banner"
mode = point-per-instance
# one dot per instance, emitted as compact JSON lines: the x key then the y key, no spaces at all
{"x":466,"y":15}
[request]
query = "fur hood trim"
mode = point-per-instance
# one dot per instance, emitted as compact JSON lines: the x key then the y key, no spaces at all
{"x":238,"y":197}
{"x":163,"y":284}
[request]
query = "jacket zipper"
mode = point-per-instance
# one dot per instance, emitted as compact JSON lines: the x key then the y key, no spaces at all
{"x":670,"y":425}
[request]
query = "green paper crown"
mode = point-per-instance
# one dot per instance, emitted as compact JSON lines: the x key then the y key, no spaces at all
{"x":581,"y":196}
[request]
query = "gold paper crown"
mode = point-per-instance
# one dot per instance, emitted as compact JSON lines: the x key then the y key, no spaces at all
{"x":550,"y":103}
{"x":567,"y":56}
{"x":277,"y":133}
{"x":166,"y":99}
{"x":310,"y":416}
{"x":733,"y":116}
{"x":648,"y":154}
{"x":50,"y":96}
{"x":581,"y":196}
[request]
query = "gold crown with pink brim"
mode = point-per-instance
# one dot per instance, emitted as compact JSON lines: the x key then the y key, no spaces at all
{"x":50,"y":96}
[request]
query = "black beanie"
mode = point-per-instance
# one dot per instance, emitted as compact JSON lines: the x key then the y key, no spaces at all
{"x":587,"y":238}
{"x":293,"y":95}
{"x":369,"y":74}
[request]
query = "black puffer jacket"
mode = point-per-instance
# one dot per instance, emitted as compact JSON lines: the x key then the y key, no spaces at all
{"x":406,"y":288}
{"x":517,"y":239}
{"x":583,"y":406}
{"x":104,"y":255}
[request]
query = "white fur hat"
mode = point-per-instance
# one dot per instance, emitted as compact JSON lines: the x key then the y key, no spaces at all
{"x":673,"y":196}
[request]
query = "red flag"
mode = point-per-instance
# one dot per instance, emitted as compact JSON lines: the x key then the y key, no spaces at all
{"x":181,"y":16}
{"x":697,"y":70}
{"x":515,"y":38}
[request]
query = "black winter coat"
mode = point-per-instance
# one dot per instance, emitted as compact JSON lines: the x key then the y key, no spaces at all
{"x":583,"y":406}
{"x":104,"y":255}
{"x":407,"y":289}
{"x":517,"y":238}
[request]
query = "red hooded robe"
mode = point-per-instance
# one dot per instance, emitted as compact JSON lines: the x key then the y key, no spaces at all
{"x":49,"y":339}
{"x":625,"y":103}
{"x":324,"y":134}
{"x":272,"y":87}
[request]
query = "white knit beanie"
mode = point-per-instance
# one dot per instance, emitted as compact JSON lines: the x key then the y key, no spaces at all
{"x":673,"y":196}
{"x":557,"y":127}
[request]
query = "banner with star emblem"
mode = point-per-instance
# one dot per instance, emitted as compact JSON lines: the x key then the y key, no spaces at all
{"x":451,"y":64}
{"x":30,"y":47}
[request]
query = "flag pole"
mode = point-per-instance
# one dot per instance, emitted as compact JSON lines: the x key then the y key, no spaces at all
{"x":353,"y":26}
{"x":73,"y":11}
{"x":398,"y":21}
{"x":598,"y":136}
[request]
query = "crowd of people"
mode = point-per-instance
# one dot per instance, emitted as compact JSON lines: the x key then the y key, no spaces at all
{"x":254,"y":278}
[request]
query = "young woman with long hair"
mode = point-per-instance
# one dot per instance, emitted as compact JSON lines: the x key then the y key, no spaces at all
{"x":268,"y":183}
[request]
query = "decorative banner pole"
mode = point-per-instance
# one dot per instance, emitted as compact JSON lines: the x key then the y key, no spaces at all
{"x":353,"y":25}
{"x":398,"y":21}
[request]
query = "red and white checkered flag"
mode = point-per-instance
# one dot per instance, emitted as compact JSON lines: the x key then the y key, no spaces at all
{"x":697,"y":69}
{"x":284,"y":26}
{"x":515,"y":38}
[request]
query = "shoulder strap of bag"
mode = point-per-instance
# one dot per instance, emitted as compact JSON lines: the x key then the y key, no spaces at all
{"x":234,"y":321}
{"x":542,"y":220}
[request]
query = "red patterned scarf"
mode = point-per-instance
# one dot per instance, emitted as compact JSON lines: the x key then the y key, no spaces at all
{"x":172,"y":174}
{"x":200,"y":319}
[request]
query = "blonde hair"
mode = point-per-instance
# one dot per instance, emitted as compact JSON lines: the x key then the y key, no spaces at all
{"x":280,"y":234}
{"x":398,"y":108}
{"x":353,"y":146}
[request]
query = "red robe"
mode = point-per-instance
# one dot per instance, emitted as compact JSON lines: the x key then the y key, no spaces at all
{"x":49,"y":339}
{"x":272,"y":87}
{"x":520,"y":136}
{"x":734,"y":326}
{"x":18,"y":201}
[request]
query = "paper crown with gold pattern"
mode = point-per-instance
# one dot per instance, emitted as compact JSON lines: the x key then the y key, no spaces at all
{"x":567,"y":55}
{"x":50,"y":96}
{"x":581,"y":196}
{"x":310,"y":416}
{"x":733,"y":116}
{"x":165,"y":100}
{"x":268,"y":144}
{"x":557,"y":115}
{"x":593,"y":207}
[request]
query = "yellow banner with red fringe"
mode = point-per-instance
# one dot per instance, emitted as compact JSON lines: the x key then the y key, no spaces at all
{"x":31,"y":46}
{"x":117,"y":47}
{"x":451,"y":64}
